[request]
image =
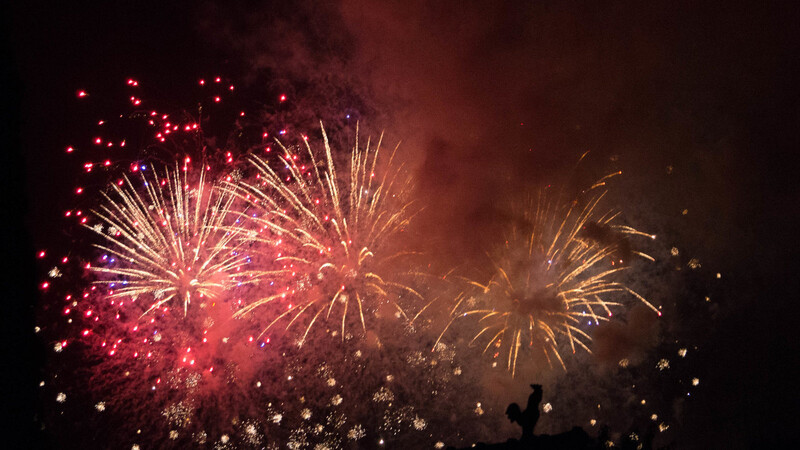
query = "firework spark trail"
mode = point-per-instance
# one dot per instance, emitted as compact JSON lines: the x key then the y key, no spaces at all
{"x":172,"y":241}
{"x":550,"y":275}
{"x":337,"y":227}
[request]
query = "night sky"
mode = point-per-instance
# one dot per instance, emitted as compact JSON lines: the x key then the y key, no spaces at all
{"x":488,"y":98}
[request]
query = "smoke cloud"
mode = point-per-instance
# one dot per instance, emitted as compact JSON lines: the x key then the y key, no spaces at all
{"x":616,"y":341}
{"x":489,"y":101}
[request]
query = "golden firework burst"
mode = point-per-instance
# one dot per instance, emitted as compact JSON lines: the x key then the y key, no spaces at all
{"x":553,"y":276}
{"x":171,"y":239}
{"x":339,"y":231}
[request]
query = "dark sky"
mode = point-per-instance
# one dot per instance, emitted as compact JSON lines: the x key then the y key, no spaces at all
{"x":488,"y":98}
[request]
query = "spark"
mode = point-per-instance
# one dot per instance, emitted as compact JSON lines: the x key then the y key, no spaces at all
{"x":383,"y":395}
{"x":356,"y":433}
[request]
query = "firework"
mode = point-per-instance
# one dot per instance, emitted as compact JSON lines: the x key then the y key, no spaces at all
{"x":338,"y":229}
{"x":151,"y":350}
{"x":552,"y":276}
{"x":173,"y":241}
